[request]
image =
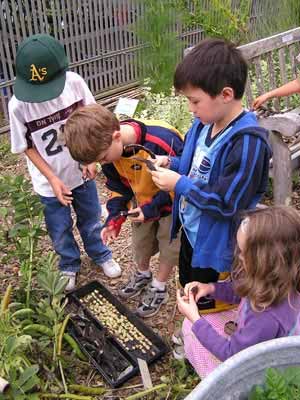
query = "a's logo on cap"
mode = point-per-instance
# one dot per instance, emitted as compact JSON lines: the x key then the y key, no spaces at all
{"x":37,"y":74}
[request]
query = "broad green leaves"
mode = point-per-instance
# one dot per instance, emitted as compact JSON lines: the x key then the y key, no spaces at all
{"x":279,"y":385}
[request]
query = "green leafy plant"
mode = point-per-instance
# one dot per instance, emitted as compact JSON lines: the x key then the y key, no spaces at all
{"x":279,"y":385}
{"x":169,"y":108}
{"x":32,"y":330}
{"x":155,"y":28}
{"x":180,"y":381}
{"x":22,"y":216}
{"x":6,"y":156}
{"x":218,"y":18}
{"x":15,"y":346}
{"x":32,"y":339}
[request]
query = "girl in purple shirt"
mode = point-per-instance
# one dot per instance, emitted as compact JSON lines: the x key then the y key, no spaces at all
{"x":265,"y":283}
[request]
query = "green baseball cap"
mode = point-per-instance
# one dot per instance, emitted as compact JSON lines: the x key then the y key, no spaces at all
{"x":41,"y":66}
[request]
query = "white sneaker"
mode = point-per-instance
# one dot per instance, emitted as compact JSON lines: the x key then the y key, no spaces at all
{"x":71,"y":276}
{"x":177,"y":337}
{"x":179,"y":353}
{"x":111,"y":268}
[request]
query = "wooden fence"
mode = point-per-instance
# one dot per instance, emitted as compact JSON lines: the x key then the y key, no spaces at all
{"x":98,"y":36}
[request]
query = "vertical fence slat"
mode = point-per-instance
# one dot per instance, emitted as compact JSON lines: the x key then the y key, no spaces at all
{"x":54,"y":19}
{"x":91,"y":24}
{"x":259,"y":75}
{"x":82,"y":39}
{"x":10,"y":50}
{"x":293,"y":61}
{"x":283,"y":75}
{"x":6,"y":55}
{"x":75,"y":4}
{"x":88,"y":19}
{"x":66,"y":28}
{"x":16,"y":23}
{"x":105,"y":81}
{"x":248,"y":94}
{"x":34,"y":16}
{"x":271,"y":73}
{"x":97,"y":50}
{"x":22,"y":18}
{"x":45,"y":13}
{"x":108,"y":44}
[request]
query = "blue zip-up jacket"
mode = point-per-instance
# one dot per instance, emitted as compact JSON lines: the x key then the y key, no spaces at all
{"x":237,"y":181}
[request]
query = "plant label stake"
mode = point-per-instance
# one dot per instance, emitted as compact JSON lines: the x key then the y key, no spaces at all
{"x":145,"y":373}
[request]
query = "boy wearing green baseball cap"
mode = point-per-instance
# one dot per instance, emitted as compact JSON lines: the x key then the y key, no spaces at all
{"x":45,"y":94}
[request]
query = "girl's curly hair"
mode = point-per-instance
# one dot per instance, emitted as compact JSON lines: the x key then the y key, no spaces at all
{"x":270,"y":268}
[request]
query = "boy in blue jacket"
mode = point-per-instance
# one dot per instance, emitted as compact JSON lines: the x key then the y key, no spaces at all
{"x":224,"y":165}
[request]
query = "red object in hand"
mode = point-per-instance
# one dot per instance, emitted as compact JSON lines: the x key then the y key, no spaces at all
{"x":116,"y":223}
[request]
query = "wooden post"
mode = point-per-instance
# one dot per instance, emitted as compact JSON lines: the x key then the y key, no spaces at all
{"x":282,"y":167}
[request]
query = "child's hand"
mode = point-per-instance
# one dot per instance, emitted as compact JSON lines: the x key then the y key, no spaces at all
{"x":139,"y":218}
{"x":61,"y":191}
{"x":165,"y":179}
{"x":160,"y":161}
{"x":89,"y":171}
{"x":199,"y":289}
{"x":108,"y":233}
{"x":259,"y":101}
{"x":188,"y":306}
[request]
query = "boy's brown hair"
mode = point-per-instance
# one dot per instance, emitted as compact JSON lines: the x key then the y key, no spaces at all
{"x":88,"y":132}
{"x":270,"y":268}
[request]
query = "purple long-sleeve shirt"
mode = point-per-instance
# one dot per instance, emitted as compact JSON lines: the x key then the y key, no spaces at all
{"x":253,"y":327}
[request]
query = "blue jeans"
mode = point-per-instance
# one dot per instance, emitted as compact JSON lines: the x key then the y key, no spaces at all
{"x":60,"y":227}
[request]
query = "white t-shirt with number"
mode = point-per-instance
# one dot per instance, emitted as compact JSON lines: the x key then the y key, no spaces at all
{"x":39,"y":124}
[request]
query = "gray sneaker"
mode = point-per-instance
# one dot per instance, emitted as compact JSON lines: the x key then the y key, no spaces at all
{"x":179,"y":353}
{"x":177,"y":337}
{"x":151,"y":301}
{"x":71,"y":276}
{"x":135,"y":285}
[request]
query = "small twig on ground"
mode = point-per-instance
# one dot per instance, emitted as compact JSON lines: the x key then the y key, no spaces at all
{"x":146,"y":392}
{"x":127,"y":387}
{"x":90,"y":377}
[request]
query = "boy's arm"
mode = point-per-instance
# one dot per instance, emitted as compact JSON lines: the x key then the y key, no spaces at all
{"x":175,"y":161}
{"x":160,"y":203}
{"x":121,"y":193}
{"x":258,"y":327}
{"x":61,"y":191}
{"x":284,"y":90}
{"x":246,"y":164}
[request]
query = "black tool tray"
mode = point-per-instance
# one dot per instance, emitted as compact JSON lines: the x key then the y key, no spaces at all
{"x":124,"y":331}
{"x":114,"y":364}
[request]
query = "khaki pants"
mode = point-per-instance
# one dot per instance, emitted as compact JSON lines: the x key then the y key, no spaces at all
{"x":152,"y":237}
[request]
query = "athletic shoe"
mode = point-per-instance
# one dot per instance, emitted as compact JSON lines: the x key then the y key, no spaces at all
{"x":177,"y":337}
{"x":151,"y":301}
{"x":135,"y":285}
{"x":111,"y":268}
{"x":179,"y":353}
{"x":71,"y":276}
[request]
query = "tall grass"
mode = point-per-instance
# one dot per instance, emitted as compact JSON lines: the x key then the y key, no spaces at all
{"x":277,"y":16}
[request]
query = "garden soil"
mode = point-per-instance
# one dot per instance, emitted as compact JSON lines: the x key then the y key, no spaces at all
{"x":163,"y":323}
